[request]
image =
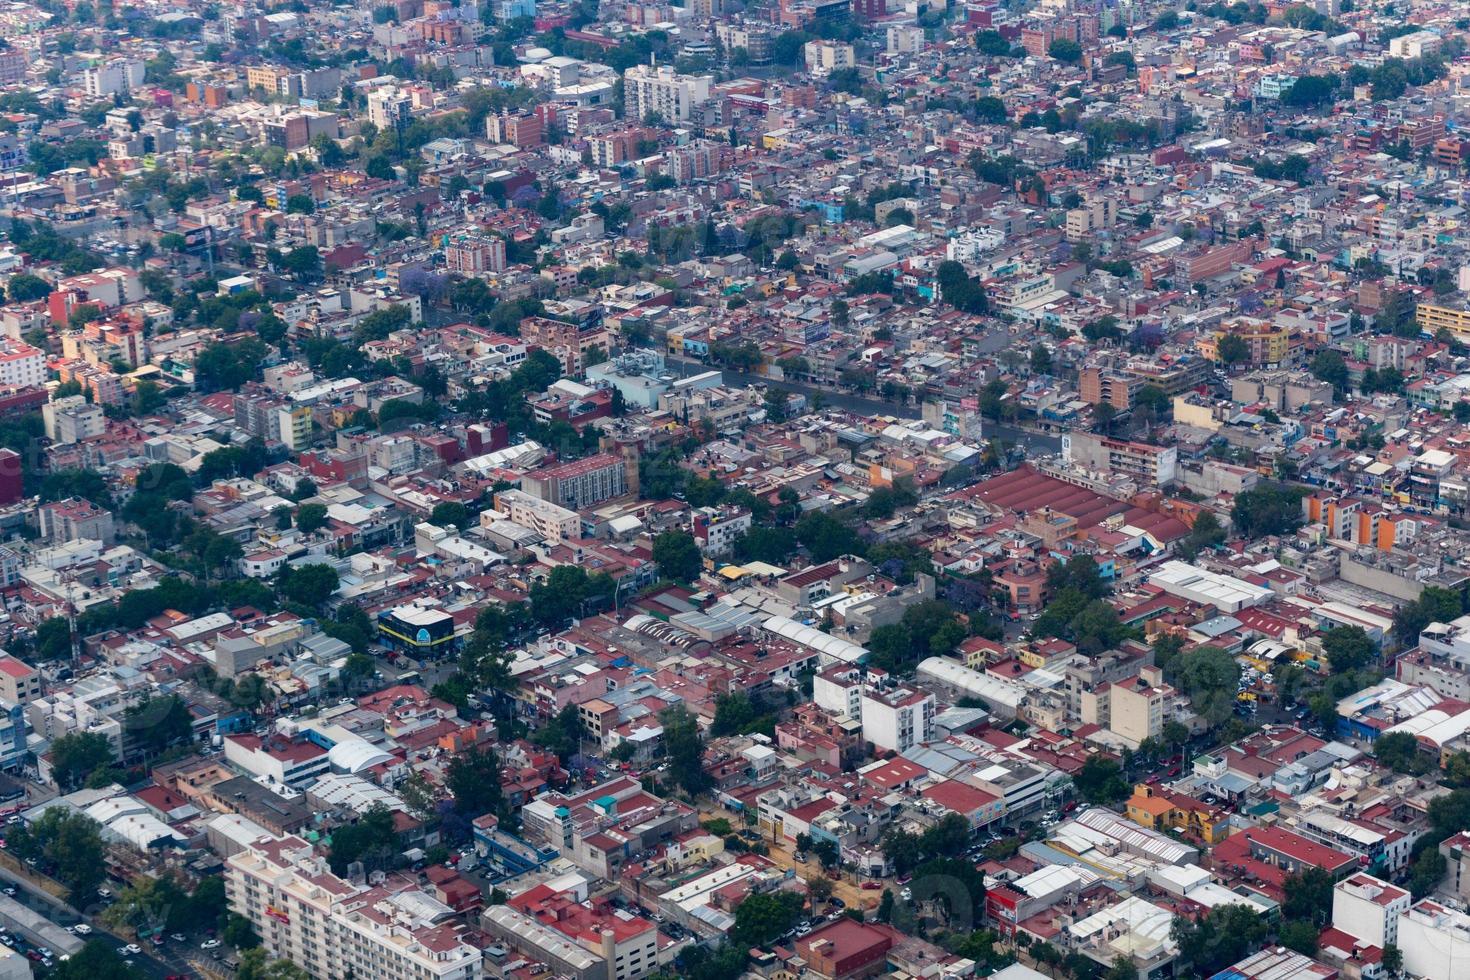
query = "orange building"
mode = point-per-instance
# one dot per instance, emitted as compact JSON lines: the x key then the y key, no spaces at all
{"x":1158,"y":808}
{"x":1352,"y":519}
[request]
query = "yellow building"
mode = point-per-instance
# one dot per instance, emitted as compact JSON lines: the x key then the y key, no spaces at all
{"x":1268,"y":343}
{"x":1159,"y":809}
{"x":1199,"y":416}
{"x":1433,"y":318}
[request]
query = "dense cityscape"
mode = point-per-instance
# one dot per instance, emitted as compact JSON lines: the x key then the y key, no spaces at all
{"x":785,"y":489}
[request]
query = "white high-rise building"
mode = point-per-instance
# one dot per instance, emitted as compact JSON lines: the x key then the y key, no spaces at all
{"x":648,"y":90}
{"x":333,"y":928}
{"x":1435,"y":941}
{"x":1368,"y":909}
{"x":21,"y":364}
{"x":112,"y":78}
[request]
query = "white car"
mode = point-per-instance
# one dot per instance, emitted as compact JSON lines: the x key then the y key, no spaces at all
{"x":209,"y":944}
{"x":82,"y":929}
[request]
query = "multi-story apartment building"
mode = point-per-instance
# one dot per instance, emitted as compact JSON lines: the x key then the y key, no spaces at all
{"x":1137,"y":706}
{"x":1369,"y":909}
{"x":525,"y":131}
{"x":1103,"y":386}
{"x":296,"y":130}
{"x":582,"y":939}
{"x":693,"y":161}
{"x":1090,"y":217}
{"x":475,"y":254}
{"x":1154,"y":465}
{"x":823,"y":57}
{"x":663,"y":92}
{"x":13,"y":63}
{"x":897,"y":719}
{"x":1267,"y":344}
{"x":716,"y":529}
{"x":20,"y":683}
{"x":580,"y":483}
{"x":1435,"y":941}
{"x":13,"y":731}
{"x":71,"y":419}
{"x":117,"y":77}
{"x":893,"y":717}
{"x":333,"y":928}
{"x":1434,"y":318}
{"x":551,"y":521}
{"x":21,"y":364}
{"x":74,"y":519}
{"x":293,"y":426}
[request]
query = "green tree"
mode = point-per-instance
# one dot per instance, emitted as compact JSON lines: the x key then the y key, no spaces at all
{"x":1348,"y":649}
{"x":95,"y":961}
{"x":451,"y":513}
{"x":1066,"y":51}
{"x":238,"y":932}
{"x":1434,"y":605}
{"x":1232,"y":350}
{"x":763,"y":917}
{"x":772,"y":545}
{"x":826,"y":537}
{"x":371,"y":840}
{"x":311,"y":517}
{"x":684,"y":748}
{"x":1214,"y":941}
{"x":53,"y":641}
{"x":76,"y":755}
{"x":310,"y":585}
{"x":1266,"y":509}
{"x":992,"y":43}
{"x":927,"y":629}
{"x":1204,"y":534}
{"x":68,"y":841}
{"x":256,"y":965}
{"x":1428,"y":871}
{"x":1308,"y":896}
{"x":158,"y":723}
{"x":473,"y":779}
{"x":1399,"y":751}
{"x":26,"y":288}
{"x":1210,"y":677}
{"x":1298,"y":935}
{"x":1330,"y":366}
{"x":677,"y":556}
{"x":1100,"y":781}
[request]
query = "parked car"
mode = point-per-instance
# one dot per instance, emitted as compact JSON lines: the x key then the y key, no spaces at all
{"x":870,"y":886}
{"x":209,"y":944}
{"x":83,"y":929}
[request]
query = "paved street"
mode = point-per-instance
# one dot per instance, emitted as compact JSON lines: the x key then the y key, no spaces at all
{"x":169,"y":959}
